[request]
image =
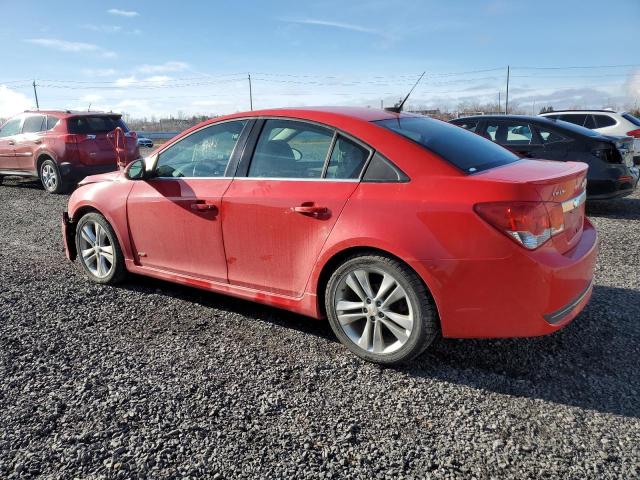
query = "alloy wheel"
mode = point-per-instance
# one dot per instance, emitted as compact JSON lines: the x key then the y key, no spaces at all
{"x":96,"y":249}
{"x":373,"y":310}
{"x":49,"y":177}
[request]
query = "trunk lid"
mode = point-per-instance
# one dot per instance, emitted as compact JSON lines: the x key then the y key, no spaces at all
{"x":561,"y":183}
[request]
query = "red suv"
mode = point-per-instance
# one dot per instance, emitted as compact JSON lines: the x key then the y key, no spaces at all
{"x":61,"y":147}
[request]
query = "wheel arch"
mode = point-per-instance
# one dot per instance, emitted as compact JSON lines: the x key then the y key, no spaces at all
{"x":40,"y":159}
{"x":337,"y":258}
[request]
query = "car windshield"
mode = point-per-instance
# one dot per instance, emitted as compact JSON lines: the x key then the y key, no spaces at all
{"x":469,"y":152}
{"x":572,"y":127}
{"x":632,"y":119}
{"x":95,"y":124}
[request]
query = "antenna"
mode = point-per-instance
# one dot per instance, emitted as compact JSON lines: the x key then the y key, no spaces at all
{"x":397,"y":108}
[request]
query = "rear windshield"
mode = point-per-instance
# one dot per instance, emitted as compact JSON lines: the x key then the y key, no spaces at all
{"x":466,"y":150}
{"x":632,"y":119}
{"x":95,"y":124}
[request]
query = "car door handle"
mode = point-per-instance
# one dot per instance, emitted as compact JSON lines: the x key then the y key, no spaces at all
{"x":202,"y":206}
{"x":38,"y":141}
{"x":311,"y":210}
{"x":12,"y":142}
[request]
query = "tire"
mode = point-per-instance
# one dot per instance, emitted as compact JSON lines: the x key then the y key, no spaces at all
{"x":392,"y":303}
{"x":50,"y":177}
{"x":105,"y":265}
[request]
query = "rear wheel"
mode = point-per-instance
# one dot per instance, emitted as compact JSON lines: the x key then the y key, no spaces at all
{"x":51,"y":178}
{"x":98,"y":250}
{"x":380,"y":310}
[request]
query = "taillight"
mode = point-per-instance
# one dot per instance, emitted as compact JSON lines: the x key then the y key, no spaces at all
{"x":634,"y":133}
{"x":70,"y":138}
{"x":529,"y":224}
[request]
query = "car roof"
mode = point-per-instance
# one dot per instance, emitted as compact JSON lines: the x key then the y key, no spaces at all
{"x":505,"y":117}
{"x":359,"y":113}
{"x":71,"y":113}
{"x":579,"y":111}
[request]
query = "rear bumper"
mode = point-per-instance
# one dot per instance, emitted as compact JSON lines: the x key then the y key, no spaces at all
{"x":613,"y":188}
{"x":522,"y":295}
{"x":75,"y":172}
{"x":68,"y":237}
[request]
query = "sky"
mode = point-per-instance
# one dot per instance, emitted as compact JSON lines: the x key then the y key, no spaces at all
{"x":160,"y":58}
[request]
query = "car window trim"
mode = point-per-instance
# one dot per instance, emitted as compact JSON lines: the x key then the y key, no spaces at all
{"x":241,"y":138}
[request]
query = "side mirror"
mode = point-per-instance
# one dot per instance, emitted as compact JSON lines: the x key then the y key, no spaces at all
{"x":136,"y":170}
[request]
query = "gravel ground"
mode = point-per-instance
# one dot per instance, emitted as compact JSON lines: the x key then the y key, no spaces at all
{"x":152,"y":380}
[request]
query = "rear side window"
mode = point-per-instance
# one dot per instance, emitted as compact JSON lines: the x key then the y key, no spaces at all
{"x":34,"y":123}
{"x":51,"y":122}
{"x":550,"y":136}
{"x":465,"y":150}
{"x":95,"y":124}
{"x":603,"y":121}
{"x":575,"y":118}
{"x":290,"y":149}
{"x":347,"y":159}
{"x":382,"y":170}
{"x":12,"y":127}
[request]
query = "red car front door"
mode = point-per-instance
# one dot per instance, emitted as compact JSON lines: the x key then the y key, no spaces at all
{"x":278,"y":217}
{"x":175,"y":218}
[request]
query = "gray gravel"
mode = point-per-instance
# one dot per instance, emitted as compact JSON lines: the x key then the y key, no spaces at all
{"x":152,"y":380}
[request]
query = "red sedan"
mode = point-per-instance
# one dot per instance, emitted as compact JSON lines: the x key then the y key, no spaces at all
{"x":394,"y":226}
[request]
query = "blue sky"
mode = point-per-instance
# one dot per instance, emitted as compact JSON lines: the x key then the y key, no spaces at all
{"x":156,"y":58}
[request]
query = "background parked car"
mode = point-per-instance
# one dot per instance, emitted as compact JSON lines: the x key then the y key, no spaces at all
{"x":606,"y":122}
{"x":610,"y":159}
{"x":61,"y":147}
{"x":145,"y":142}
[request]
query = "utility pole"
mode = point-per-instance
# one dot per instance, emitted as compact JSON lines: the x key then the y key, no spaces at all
{"x":381,"y":104}
{"x":533,"y":108}
{"x":506,"y":102}
{"x":499,"y":101}
{"x":250,"y":93}
{"x":35,"y":92}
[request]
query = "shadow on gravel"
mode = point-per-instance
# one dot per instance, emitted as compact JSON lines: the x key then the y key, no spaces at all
{"x":622,"y":208}
{"x":592,"y":363}
{"x":17,"y":182}
{"x":251,"y":310}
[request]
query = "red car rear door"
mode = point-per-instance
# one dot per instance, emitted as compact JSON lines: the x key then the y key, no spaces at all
{"x":279,"y":212}
{"x":175,"y":218}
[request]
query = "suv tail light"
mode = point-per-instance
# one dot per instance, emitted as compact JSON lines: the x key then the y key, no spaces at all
{"x":634,"y":133}
{"x":529,"y":224}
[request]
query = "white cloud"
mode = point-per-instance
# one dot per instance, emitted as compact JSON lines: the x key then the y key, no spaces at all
{"x":91,"y":98}
{"x":63,"y":45}
{"x":340,"y":25}
{"x":126,"y":81}
{"x":159,"y":79}
{"x":164,"y":67}
{"x":123,"y":13}
{"x":12,"y":102}
{"x":632,"y":85}
{"x":103,"y":28}
{"x":75,"y":47}
{"x":99,"y":72}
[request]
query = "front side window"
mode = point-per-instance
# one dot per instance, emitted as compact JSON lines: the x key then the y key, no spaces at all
{"x":470,"y":125}
{"x":205,"y":153}
{"x":347,"y":159}
{"x":290,"y":149}
{"x":465,"y":150}
{"x":12,"y":127}
{"x":34,"y":123}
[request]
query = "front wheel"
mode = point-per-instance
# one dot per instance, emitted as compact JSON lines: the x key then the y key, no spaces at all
{"x":380,"y":309}
{"x":98,"y":250}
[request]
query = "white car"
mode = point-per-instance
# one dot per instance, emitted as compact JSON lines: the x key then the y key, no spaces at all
{"x":607,"y":122}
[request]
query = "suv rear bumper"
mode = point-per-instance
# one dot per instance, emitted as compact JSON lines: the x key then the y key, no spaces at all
{"x":74,"y":172}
